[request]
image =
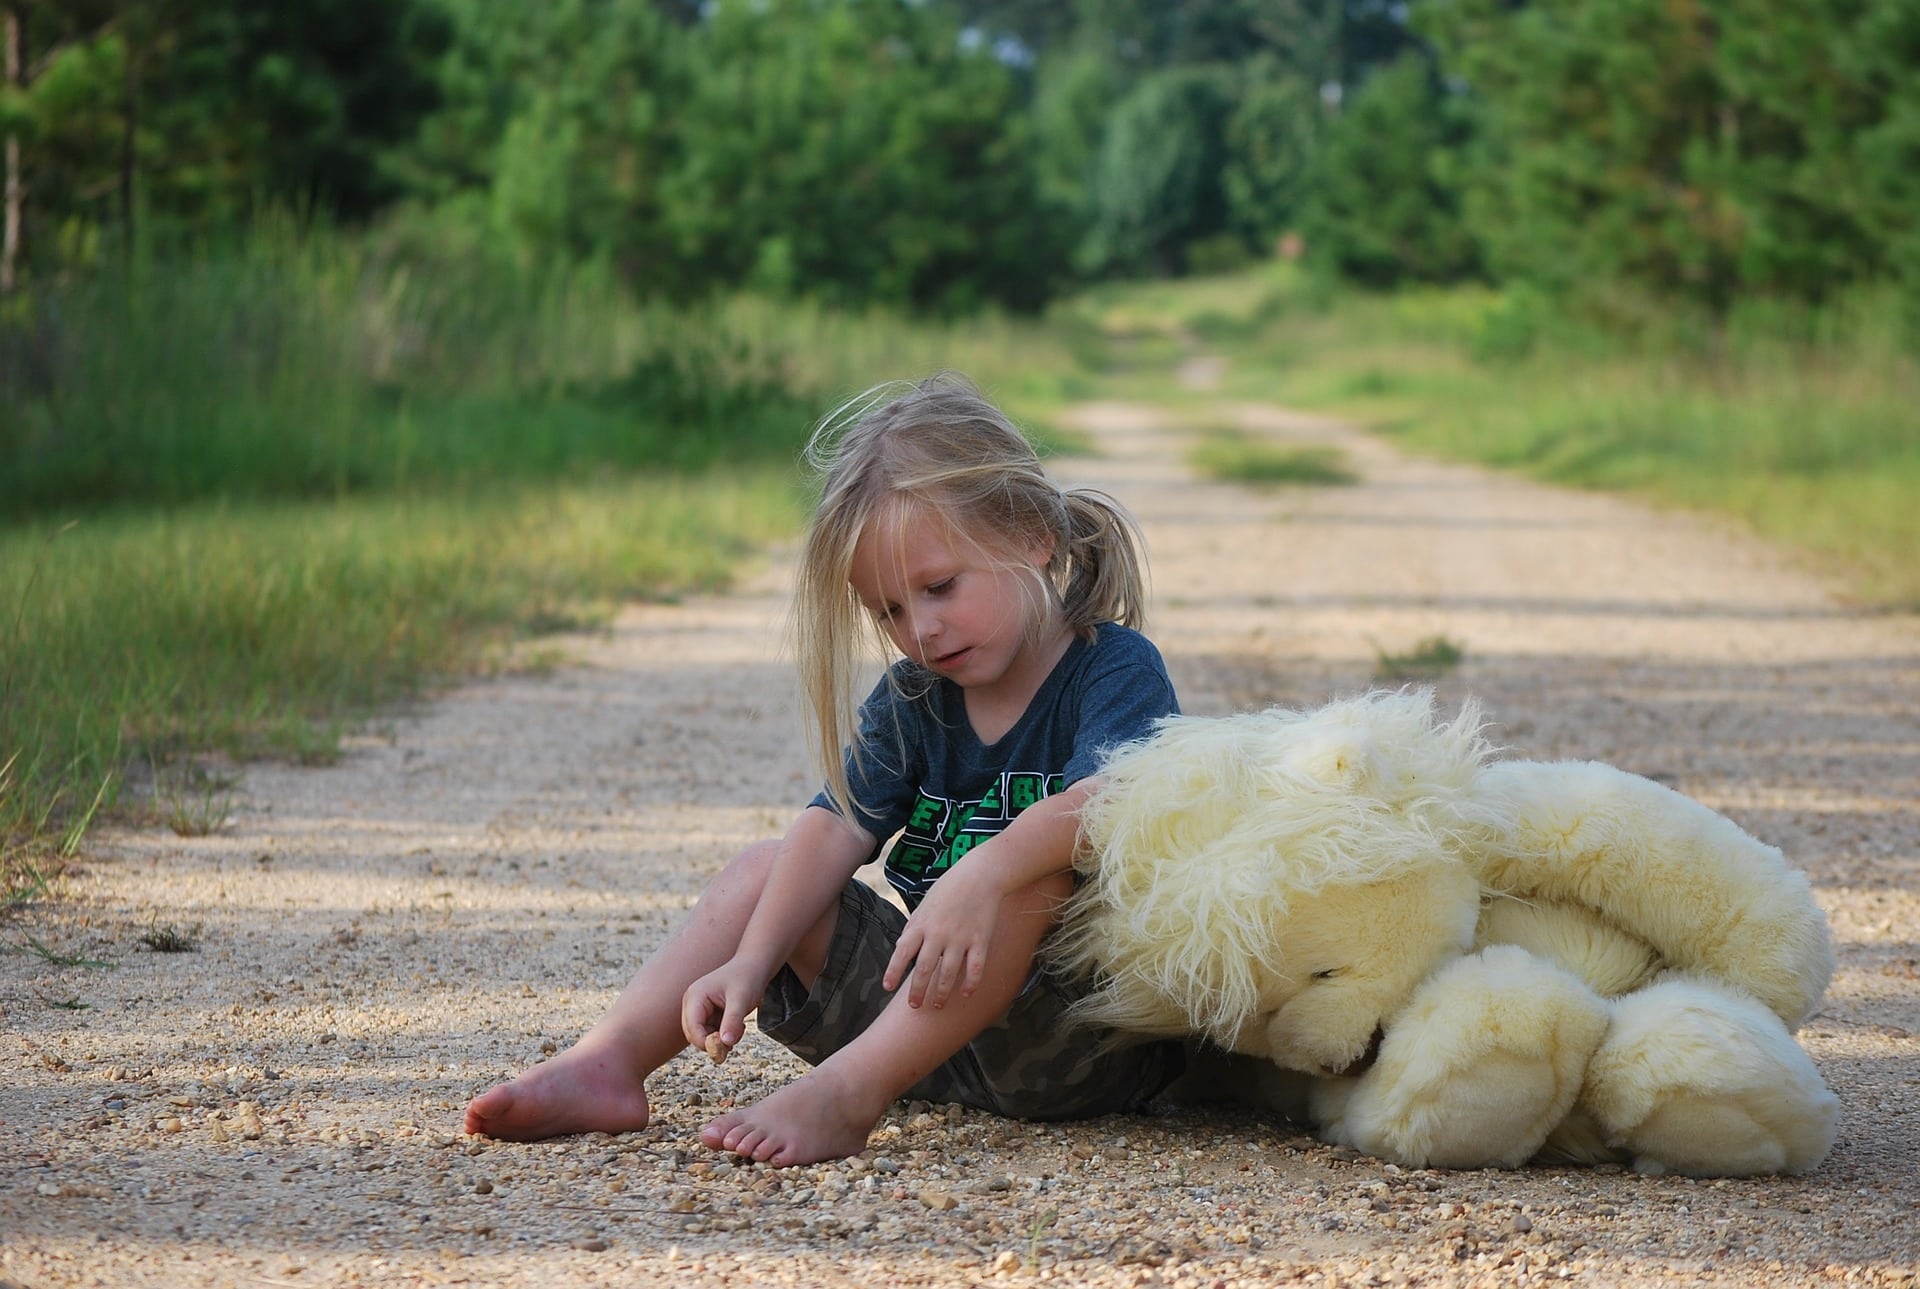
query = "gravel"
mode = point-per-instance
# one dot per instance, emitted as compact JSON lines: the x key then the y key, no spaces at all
{"x":376,"y":941}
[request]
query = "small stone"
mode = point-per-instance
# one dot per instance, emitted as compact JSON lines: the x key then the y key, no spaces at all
{"x":1007,"y":1261}
{"x":591,"y":1244}
{"x":1521,"y":1224}
{"x":483,"y":1187}
{"x":939,"y":1201}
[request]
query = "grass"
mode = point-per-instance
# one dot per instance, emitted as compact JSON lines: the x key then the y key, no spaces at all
{"x":171,"y":939}
{"x":34,"y":945}
{"x":264,"y":629}
{"x":316,"y":370}
{"x":193,"y":802}
{"x":1430,"y":658}
{"x":1235,"y":456}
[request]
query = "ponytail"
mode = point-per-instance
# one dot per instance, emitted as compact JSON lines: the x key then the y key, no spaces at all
{"x":1102,"y":577}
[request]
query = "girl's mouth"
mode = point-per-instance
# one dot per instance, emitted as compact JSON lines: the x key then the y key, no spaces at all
{"x":948,"y":661}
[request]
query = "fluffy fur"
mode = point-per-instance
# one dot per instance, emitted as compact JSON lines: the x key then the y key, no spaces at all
{"x":1213,"y":836}
{"x":1555,"y":959}
{"x":1701,"y":893}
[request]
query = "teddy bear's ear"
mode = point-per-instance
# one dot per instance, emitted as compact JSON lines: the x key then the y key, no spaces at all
{"x":1385,"y":746}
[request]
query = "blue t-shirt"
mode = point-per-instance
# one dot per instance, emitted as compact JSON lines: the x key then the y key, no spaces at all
{"x":924,"y":774}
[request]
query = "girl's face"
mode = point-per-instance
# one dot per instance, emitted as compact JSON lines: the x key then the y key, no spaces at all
{"x":946,"y":602}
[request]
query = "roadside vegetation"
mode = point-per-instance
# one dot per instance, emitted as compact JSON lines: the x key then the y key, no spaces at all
{"x":1803,"y":424}
{"x":1240,"y":457}
{"x":272,"y":491}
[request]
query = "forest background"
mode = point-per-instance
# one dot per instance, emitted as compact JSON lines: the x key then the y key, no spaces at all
{"x":346,"y":343}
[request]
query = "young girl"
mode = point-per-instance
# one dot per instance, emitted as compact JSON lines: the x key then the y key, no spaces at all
{"x":1014,"y":605}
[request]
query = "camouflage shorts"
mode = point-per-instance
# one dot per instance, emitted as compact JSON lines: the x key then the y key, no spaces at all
{"x":1030,"y":1064}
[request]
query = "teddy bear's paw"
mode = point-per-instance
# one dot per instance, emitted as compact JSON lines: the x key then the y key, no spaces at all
{"x":1476,"y":1071}
{"x":1698,"y":1079}
{"x":1579,"y":1141}
{"x":1703,"y":894}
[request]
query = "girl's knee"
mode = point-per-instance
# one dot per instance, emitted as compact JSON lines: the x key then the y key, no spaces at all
{"x":757,"y":857}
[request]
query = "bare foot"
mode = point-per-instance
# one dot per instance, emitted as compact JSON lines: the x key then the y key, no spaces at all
{"x":576,"y":1091}
{"x":814,"y":1118}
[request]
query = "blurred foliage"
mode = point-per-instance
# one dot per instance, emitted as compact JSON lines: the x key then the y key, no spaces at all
{"x":1708,"y":150}
{"x":187,"y":114}
{"x":863,"y":151}
{"x":1156,"y":184}
{"x":944,"y":154}
{"x":1385,"y":208}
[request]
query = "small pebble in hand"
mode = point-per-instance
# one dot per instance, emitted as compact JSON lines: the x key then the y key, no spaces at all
{"x":717,"y":1049}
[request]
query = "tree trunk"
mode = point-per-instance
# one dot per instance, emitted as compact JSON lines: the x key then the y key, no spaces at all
{"x":130,"y":127}
{"x":15,"y":195}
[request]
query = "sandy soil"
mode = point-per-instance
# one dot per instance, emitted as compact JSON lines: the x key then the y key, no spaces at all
{"x":379,"y":940}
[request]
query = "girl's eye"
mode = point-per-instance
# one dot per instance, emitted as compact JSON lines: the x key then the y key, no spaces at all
{"x":941,"y":587}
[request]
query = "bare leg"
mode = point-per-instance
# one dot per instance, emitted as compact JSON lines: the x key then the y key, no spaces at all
{"x":596,"y":1085}
{"x":828,"y":1112}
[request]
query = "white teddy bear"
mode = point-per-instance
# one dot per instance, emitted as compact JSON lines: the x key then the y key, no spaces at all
{"x":1447,"y":960}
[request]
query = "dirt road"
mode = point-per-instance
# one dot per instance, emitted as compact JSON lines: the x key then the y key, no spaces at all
{"x":379,"y":940}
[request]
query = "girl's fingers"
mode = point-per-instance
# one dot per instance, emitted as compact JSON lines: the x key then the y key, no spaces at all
{"x":903,"y":957}
{"x":702,"y":1012}
{"x":918,"y":982}
{"x":975,"y":973}
{"x":693,"y":1021}
{"x":940,"y":978}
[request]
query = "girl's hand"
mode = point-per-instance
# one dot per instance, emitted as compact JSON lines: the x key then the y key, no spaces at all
{"x":717,"y":1005}
{"x":947,"y":937}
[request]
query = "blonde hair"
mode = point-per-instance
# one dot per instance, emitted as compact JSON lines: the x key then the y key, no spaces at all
{"x":940,"y":445}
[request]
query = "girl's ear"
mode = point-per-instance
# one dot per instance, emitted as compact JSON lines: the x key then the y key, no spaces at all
{"x":1040,"y":550}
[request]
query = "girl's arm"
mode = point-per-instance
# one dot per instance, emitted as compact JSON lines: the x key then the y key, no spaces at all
{"x":947,"y":939}
{"x":818,"y":855}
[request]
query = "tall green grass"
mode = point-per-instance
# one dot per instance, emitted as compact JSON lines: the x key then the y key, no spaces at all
{"x":313,"y":365}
